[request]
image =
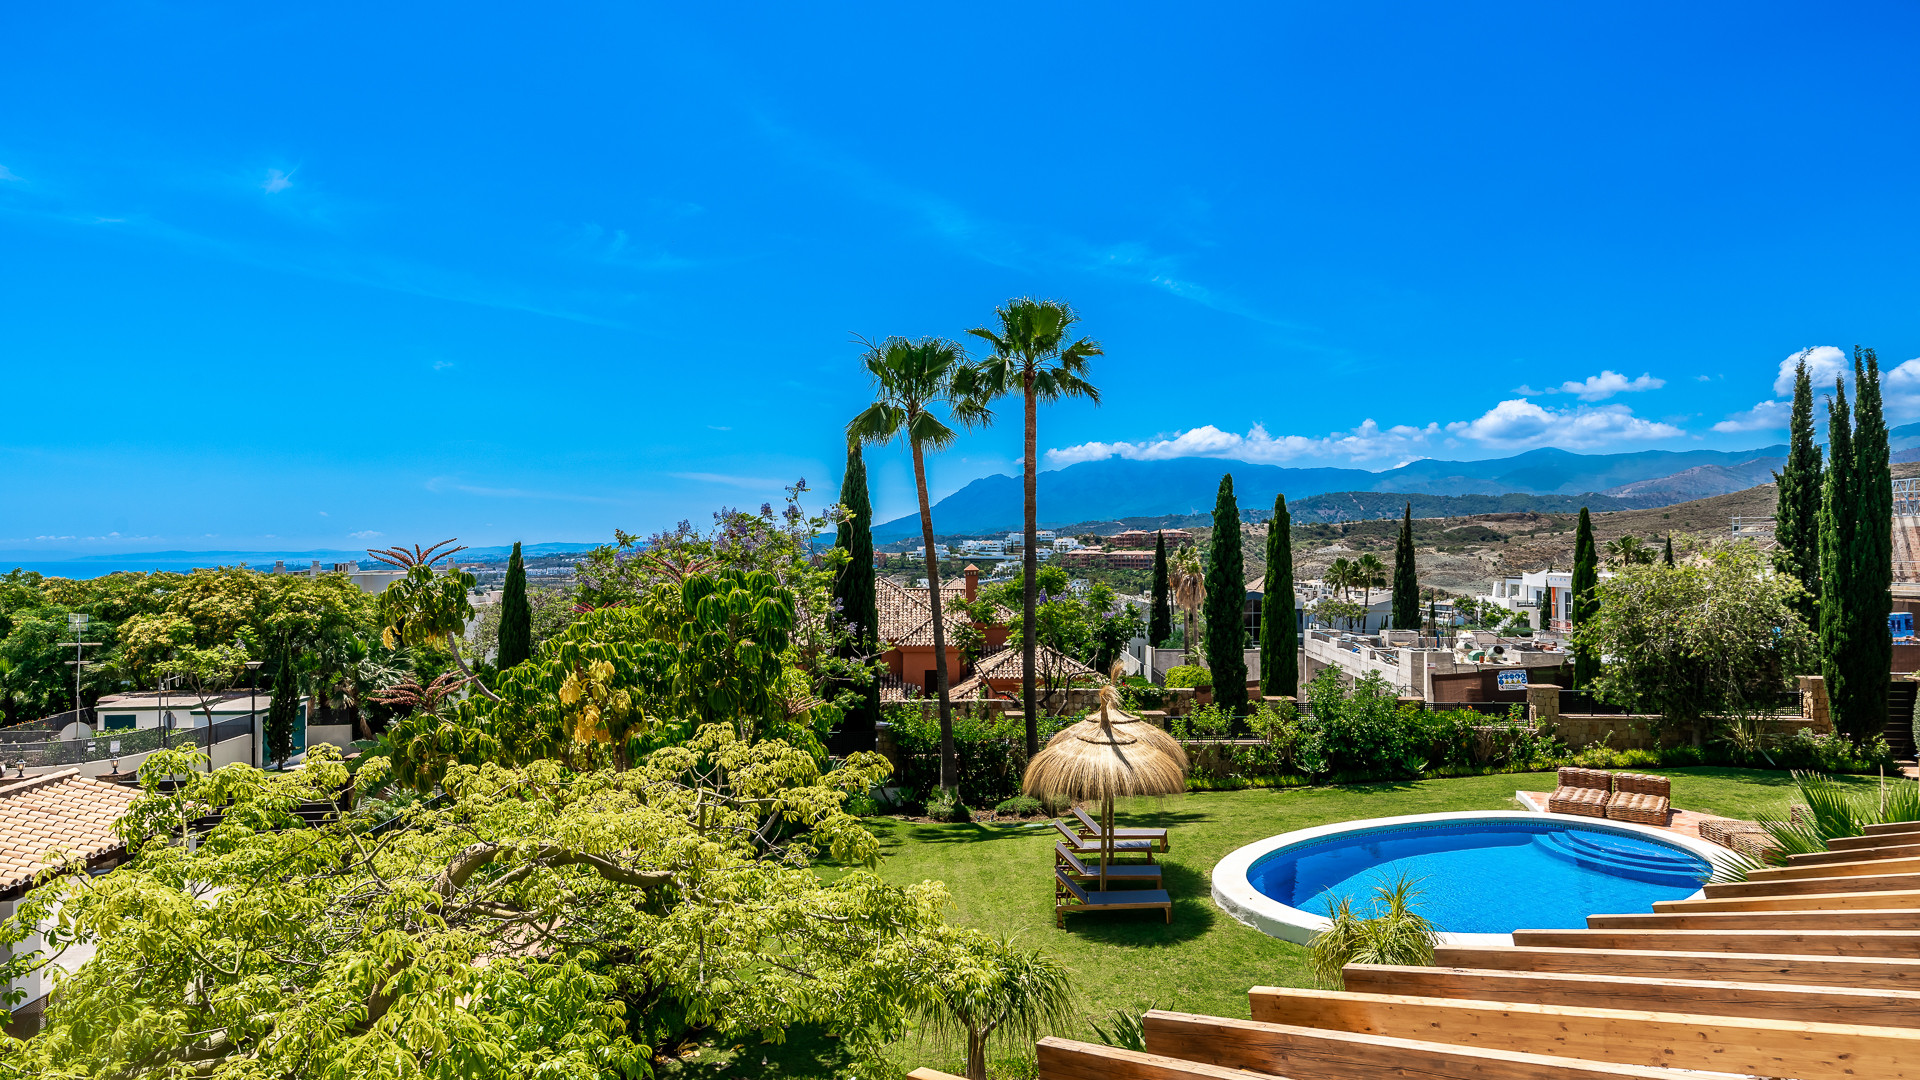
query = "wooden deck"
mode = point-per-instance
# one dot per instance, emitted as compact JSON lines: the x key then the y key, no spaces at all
{"x":1811,"y":972}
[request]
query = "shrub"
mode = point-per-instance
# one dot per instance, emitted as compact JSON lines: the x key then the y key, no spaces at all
{"x":991,"y":754}
{"x":945,"y":807}
{"x":1137,"y":693}
{"x":1023,"y":805}
{"x":861,"y":804}
{"x":1393,"y":934}
{"x":1189,"y":677}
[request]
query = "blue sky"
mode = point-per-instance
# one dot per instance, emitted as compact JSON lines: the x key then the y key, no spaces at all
{"x":279,"y":278}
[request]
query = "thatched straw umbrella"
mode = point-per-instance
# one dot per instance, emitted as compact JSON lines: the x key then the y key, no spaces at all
{"x":1097,"y":759}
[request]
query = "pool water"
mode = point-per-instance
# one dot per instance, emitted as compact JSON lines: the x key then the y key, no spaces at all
{"x":1490,"y":877}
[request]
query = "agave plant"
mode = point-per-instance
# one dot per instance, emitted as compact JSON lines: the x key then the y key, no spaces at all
{"x":1393,"y":934}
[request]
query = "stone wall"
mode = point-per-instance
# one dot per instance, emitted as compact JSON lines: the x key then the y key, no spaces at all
{"x":1635,"y":732}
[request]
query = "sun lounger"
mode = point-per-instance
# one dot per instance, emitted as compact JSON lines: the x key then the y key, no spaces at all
{"x":1069,"y":897}
{"x":1641,"y":799}
{"x":1081,"y":845}
{"x":1582,"y":791}
{"x":1132,"y":873}
{"x":1091,"y":827}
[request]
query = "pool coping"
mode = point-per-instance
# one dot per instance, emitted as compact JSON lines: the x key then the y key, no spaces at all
{"x":1236,"y":896}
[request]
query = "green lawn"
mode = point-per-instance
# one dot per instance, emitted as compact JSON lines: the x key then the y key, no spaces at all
{"x":1001,"y":881}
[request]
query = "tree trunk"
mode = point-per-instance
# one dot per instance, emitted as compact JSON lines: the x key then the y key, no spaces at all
{"x":1030,"y":601}
{"x":454,"y":647}
{"x":976,"y":1055}
{"x":949,"y":769}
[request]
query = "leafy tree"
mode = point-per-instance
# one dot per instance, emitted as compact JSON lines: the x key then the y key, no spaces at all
{"x":1406,"y":584}
{"x":1032,"y":354}
{"x":1797,"y":507}
{"x":1718,"y":637}
{"x":284,"y":710}
{"x":531,"y":923}
{"x":1160,"y":622}
{"x":1872,"y":571}
{"x":1226,"y":603}
{"x":1279,"y":647}
{"x":911,"y":380}
{"x":1586,"y":580}
{"x":1000,"y":989}
{"x":430,"y":605}
{"x":858,"y":599}
{"x":1838,"y":535}
{"x":516,"y":615}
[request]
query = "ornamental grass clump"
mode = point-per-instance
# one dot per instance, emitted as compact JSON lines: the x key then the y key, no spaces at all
{"x":1832,"y":812}
{"x":1393,"y":934}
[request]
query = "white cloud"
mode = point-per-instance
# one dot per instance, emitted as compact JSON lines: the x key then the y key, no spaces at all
{"x":442,"y":365}
{"x":1515,"y":424}
{"x":1824,"y":363}
{"x":1766,"y":416}
{"x":1599,"y":387}
{"x":7,"y":174}
{"x":277,"y":181}
{"x":1900,"y":391}
{"x":365,"y":534}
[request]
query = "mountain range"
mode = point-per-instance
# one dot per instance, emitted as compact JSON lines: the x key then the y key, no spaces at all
{"x":1119,"y":488}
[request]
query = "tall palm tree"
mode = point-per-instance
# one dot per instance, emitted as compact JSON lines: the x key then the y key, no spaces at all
{"x":1370,"y":574}
{"x":1339,"y":575}
{"x":1031,"y":354}
{"x":1630,"y":551}
{"x":1188,"y":579}
{"x":912,"y":380}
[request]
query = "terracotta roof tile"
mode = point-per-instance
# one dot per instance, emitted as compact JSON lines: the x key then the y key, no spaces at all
{"x":57,"y":815}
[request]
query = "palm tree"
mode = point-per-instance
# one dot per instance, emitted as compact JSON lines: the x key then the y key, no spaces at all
{"x":996,"y":988}
{"x":1340,"y":575}
{"x":911,"y":379}
{"x":1031,"y":355}
{"x":1629,"y":551}
{"x":1370,"y":574}
{"x":1188,"y":579}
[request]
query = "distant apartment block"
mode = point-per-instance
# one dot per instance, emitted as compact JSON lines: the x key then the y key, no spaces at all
{"x":1136,"y":538}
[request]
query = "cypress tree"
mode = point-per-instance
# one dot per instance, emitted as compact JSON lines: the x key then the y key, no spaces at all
{"x":1872,"y":653}
{"x":1279,"y":648}
{"x":1796,"y":514}
{"x":1406,"y":585}
{"x":1226,"y":605}
{"x":858,"y":599}
{"x":1669,"y":555}
{"x":1586,"y":584}
{"x":516,"y":615}
{"x":283,"y":710}
{"x":1160,"y":619}
{"x":1837,"y":498}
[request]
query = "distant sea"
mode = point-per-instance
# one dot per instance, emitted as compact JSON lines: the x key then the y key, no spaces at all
{"x":92,"y":568}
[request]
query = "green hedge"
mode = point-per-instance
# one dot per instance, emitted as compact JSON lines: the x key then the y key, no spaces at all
{"x":992,"y":753}
{"x":1189,"y":677}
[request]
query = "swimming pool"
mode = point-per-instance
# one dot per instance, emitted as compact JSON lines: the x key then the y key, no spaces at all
{"x":1480,"y":875}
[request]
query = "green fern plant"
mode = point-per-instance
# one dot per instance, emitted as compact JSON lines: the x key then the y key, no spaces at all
{"x":1832,"y":812}
{"x":1393,"y":934}
{"x":1126,"y":1030}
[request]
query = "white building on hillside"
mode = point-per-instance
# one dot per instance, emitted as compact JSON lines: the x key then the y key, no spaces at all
{"x":1545,"y":597}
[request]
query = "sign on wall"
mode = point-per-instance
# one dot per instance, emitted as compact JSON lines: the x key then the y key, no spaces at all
{"x":1513,"y":680}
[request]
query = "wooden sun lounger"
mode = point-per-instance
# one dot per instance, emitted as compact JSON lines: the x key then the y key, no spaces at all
{"x":1131,"y":872}
{"x":1070,"y":897}
{"x":1081,"y":845}
{"x":1091,"y":827}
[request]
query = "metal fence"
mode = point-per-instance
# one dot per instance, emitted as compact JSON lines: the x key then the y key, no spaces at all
{"x":112,"y":744}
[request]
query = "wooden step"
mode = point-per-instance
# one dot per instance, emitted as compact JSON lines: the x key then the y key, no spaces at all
{"x":1886,"y":828}
{"x":1883,"y":919}
{"x":1854,"y":867}
{"x":1773,"y":1001}
{"x":1889,"y":943}
{"x":932,"y":1074}
{"x":1856,"y":854}
{"x":1846,"y":843}
{"x":1308,"y":1053}
{"x":1872,"y":973}
{"x":1065,"y":1059}
{"x":1802,"y":886}
{"x":1735,"y":1044}
{"x":1876,"y":901}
